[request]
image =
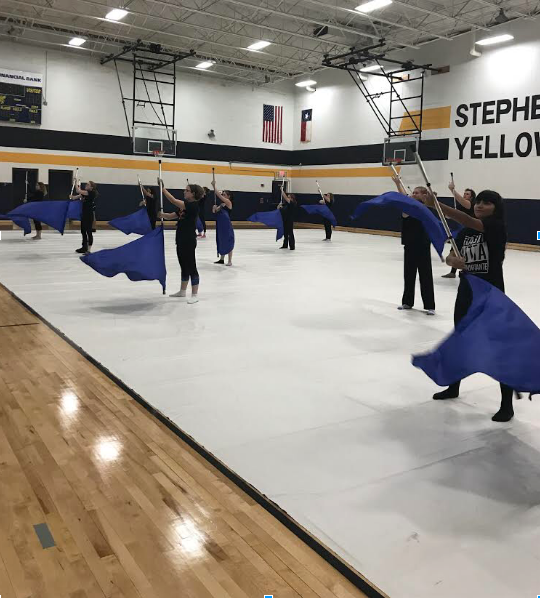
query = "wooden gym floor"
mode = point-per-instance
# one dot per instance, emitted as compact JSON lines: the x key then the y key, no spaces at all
{"x":98,"y":498}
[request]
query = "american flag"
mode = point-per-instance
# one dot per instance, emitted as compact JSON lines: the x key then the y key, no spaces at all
{"x":272,"y":124}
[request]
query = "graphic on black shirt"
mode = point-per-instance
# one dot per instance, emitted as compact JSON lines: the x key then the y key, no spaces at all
{"x":476,"y":254}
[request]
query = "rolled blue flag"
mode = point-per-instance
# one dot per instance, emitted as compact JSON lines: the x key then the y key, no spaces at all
{"x":495,"y":338}
{"x":23,"y":223}
{"x":323,"y":211}
{"x":142,"y":259}
{"x":272,"y":219}
{"x":412,"y":207}
{"x":53,"y":213}
{"x":224,"y":233}
{"x":138,"y":223}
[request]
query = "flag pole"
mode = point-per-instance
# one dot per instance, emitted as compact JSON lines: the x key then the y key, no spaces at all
{"x":26,"y":186}
{"x":74,"y":182}
{"x":321,"y":193}
{"x":161,"y":192}
{"x":437,"y":205}
{"x":453,"y":192}
{"x":280,"y":204}
{"x":141,"y":187}
{"x":214,"y":185}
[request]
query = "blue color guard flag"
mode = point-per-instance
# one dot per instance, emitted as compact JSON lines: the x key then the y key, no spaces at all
{"x":21,"y":222}
{"x":138,"y":223}
{"x":75,"y":210}
{"x":53,"y":213}
{"x":495,"y":338}
{"x":273,"y":219}
{"x":412,"y":207}
{"x":142,"y":259}
{"x":323,"y":211}
{"x":224,"y":233}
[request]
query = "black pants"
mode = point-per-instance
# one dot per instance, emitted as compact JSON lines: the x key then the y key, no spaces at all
{"x":188,"y":264}
{"x":288,"y":236}
{"x":152,"y":216}
{"x":87,"y":223}
{"x":202,"y":216}
{"x":37,"y":224}
{"x":463,"y":302}
{"x":328,"y":228}
{"x":417,"y":258}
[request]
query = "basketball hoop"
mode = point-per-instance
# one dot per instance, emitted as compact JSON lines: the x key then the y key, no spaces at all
{"x":394,"y":161}
{"x":157,"y":153}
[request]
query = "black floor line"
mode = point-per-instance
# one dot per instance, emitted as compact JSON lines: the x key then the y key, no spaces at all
{"x":16,"y":325}
{"x":350,"y":574}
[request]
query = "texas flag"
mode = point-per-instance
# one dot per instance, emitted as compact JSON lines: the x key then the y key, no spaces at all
{"x":305,"y":131}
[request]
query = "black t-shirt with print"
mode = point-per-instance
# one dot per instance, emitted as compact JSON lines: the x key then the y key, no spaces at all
{"x":484,"y":251}
{"x":186,"y":233}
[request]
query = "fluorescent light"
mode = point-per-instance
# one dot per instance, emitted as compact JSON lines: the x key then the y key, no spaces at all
{"x":116,"y":14}
{"x":309,"y":88}
{"x":204,"y":65}
{"x":373,"y":5}
{"x":373,"y":67}
{"x":258,"y":46}
{"x":497,"y":39}
{"x":76,"y":41}
{"x":307,"y":83}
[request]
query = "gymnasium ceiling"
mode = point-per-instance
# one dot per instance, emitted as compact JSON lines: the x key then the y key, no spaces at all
{"x":220,"y":30}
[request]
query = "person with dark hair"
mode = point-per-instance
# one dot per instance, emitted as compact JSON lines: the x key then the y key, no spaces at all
{"x":150,"y":202}
{"x":39,"y":194}
{"x":88,"y":197}
{"x":202,"y":212}
{"x":288,"y":206}
{"x":186,"y":237}
{"x":224,"y":228}
{"x":463,"y":203}
{"x":328,"y":201}
{"x":417,"y":256}
{"x":482,"y":244}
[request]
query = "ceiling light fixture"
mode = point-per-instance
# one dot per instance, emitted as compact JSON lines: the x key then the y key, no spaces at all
{"x":116,"y":14}
{"x":204,"y":65}
{"x":258,"y":46}
{"x":497,"y":39}
{"x":372,"y":67}
{"x":307,"y":83}
{"x":76,"y":41}
{"x":373,"y":5}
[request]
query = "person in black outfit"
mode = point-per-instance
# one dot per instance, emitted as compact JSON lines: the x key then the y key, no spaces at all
{"x":287,"y":207}
{"x":463,"y":203}
{"x":88,"y":196}
{"x":328,"y":199}
{"x":417,"y":256}
{"x":186,"y":237}
{"x":202,"y":212}
{"x":482,"y":245}
{"x":150,"y":203}
{"x":39,"y":194}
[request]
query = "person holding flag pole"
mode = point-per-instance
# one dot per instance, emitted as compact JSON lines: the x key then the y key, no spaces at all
{"x":417,"y":253}
{"x":287,"y":213}
{"x":149,"y":202}
{"x":224,"y":229}
{"x":479,"y":251}
{"x":186,"y":234}
{"x":327,"y":199}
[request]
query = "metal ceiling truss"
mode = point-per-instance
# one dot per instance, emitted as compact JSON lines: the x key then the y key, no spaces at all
{"x":301,"y":32}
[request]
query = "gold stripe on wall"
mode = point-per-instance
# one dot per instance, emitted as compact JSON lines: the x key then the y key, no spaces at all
{"x":432,"y":119}
{"x":175,"y":166}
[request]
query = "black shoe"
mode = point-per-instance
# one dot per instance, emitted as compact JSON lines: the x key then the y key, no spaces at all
{"x":291,"y":248}
{"x":503,"y":415}
{"x":81,"y":250}
{"x":220,"y":262}
{"x":284,"y":247}
{"x":446,"y":394}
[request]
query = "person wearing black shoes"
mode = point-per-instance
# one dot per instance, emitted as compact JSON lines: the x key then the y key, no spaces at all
{"x":328,"y":201}
{"x":88,"y":197}
{"x":417,"y":256}
{"x":463,"y":203}
{"x":288,"y":207}
{"x":482,"y":244}
{"x":150,"y":203}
